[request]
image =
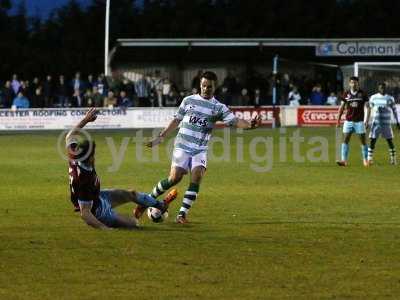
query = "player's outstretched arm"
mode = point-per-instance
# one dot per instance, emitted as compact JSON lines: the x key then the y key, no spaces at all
{"x":367,"y":117}
{"x":89,"y":218}
{"x":340,"y":113}
{"x":164,"y":133}
{"x":254,"y":123}
{"x":90,"y":116}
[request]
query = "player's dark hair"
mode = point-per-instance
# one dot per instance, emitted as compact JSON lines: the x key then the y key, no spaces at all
{"x":85,"y":149}
{"x":382,"y":84}
{"x":209,"y":76}
{"x":354,"y":78}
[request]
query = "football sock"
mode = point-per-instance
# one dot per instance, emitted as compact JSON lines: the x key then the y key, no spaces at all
{"x":345,"y":152}
{"x":161,"y":187}
{"x":371,"y":149}
{"x":390,"y":143}
{"x":189,"y":197}
{"x":392,"y":152}
{"x":370,"y":153}
{"x":364,"y":152}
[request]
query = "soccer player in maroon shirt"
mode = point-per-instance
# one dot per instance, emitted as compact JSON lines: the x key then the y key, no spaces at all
{"x":96,"y":205}
{"x":353,"y":102}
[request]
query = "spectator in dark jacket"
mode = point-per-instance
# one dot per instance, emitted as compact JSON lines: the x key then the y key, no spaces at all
{"x":7,"y":94}
{"x":231,"y":83}
{"x":38,"y":98}
{"x":33,"y":86}
{"x":62,"y":92}
{"x":90,"y":82}
{"x":124,"y":101}
{"x":129,"y":88}
{"x":223,"y":95}
{"x":48,"y":91}
{"x":102,"y":85}
{"x":78,"y":84}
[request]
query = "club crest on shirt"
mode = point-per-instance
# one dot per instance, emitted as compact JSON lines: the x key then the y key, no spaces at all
{"x":191,"y":108}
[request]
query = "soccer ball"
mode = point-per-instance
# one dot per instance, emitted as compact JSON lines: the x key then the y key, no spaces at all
{"x":156,"y":215}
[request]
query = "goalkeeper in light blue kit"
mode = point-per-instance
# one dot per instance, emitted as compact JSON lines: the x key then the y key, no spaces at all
{"x":382,"y":106}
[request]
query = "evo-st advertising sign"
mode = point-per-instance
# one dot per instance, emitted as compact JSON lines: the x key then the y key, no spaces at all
{"x":353,"y":48}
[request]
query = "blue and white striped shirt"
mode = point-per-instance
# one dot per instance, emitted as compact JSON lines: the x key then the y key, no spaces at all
{"x":382,"y":106}
{"x":198,"y":116}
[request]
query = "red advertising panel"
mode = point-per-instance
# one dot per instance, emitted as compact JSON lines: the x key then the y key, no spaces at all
{"x":317,"y":116}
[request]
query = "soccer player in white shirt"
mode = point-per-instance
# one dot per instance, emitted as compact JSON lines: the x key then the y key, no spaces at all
{"x":382,"y":106}
{"x":196,"y":118}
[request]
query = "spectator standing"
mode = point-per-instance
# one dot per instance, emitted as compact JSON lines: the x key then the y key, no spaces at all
{"x":88,"y":98}
{"x":48,"y":91}
{"x":128,"y":87}
{"x":223,"y":96}
{"x":33,"y":86}
{"x":101,"y":85}
{"x":110,"y":100}
{"x":142,"y":89}
{"x":257,"y":97}
{"x":332,"y":99}
{"x":166,"y":90}
{"x":7,"y":94}
{"x":115,"y":84}
{"x":78,"y":84}
{"x":21,"y":101}
{"x":98,"y":99}
{"x":26,"y":89}
{"x":124,"y":101}
{"x":38,"y":98}
{"x":231,"y":83}
{"x":90,"y":82}
{"x":104,"y":84}
{"x":158,"y":88}
{"x":244,"y":98}
{"x":15,"y":84}
{"x":294,"y":97}
{"x":62,"y":92}
{"x":77,"y":99}
{"x":317,"y":97}
{"x":173,"y":99}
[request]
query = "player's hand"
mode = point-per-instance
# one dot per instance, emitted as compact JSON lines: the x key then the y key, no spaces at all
{"x":366,"y":125}
{"x":154,"y":142}
{"x":338,"y":124}
{"x":255,"y":122}
{"x":91,"y":115}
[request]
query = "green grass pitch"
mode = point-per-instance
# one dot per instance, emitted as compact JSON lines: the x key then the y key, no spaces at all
{"x":303,"y":230}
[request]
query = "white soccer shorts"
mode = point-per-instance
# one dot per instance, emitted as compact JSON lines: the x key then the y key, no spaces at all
{"x":187,"y":161}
